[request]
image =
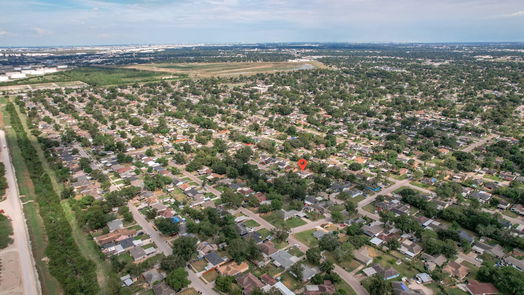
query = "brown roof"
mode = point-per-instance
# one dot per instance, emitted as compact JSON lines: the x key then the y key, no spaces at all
{"x":110,"y":237}
{"x":249,"y":282}
{"x":458,"y":270}
{"x":233,"y":268}
{"x":478,"y":288}
{"x":326,"y":288}
{"x":267,"y":248}
{"x":268,"y":279}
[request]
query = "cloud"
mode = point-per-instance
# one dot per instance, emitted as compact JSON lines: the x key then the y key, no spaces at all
{"x":517,"y":13}
{"x":41,"y":32}
{"x":187,"y":21}
{"x":3,"y":33}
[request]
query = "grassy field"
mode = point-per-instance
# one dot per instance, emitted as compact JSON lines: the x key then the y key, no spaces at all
{"x":276,"y":220}
{"x":307,"y":238}
{"x":87,"y":246}
{"x":94,"y":76}
{"x":226,"y":68}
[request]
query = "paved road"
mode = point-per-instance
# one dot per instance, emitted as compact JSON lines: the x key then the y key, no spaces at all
{"x":477,"y":144}
{"x":163,"y":245}
{"x":14,"y":210}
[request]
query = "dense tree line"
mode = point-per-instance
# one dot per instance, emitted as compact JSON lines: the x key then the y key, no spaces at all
{"x":75,"y":273}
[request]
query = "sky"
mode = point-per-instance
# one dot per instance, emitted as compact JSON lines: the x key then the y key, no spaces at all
{"x":105,"y":22}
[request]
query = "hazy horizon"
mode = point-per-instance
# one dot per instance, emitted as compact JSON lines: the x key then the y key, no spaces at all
{"x":98,"y":22}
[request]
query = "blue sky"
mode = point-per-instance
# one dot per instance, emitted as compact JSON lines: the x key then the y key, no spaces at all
{"x":91,"y":22}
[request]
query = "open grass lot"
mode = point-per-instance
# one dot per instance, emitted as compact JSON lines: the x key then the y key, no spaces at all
{"x":226,"y":68}
{"x":94,"y":76}
{"x":199,"y":265}
{"x":251,"y":223}
{"x":264,"y":232}
{"x":275,"y":219}
{"x":307,"y":238}
{"x":210,"y":276}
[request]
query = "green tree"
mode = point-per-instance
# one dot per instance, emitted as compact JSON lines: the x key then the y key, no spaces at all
{"x":177,"y":279}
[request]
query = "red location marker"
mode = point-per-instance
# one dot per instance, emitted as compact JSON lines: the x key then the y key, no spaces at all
{"x":302,"y":163}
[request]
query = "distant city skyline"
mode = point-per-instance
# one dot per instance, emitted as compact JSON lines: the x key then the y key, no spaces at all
{"x":98,"y":22}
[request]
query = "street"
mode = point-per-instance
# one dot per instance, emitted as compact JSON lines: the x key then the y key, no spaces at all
{"x":14,"y":210}
{"x":165,"y":248}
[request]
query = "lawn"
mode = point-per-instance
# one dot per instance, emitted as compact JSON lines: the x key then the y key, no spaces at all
{"x":94,"y":76}
{"x":264,"y":232}
{"x":270,"y":269}
{"x":210,"y":276}
{"x":290,"y":281}
{"x":275,"y":219}
{"x":199,"y":265}
{"x":455,"y":291}
{"x":344,"y":286}
{"x":295,"y":252}
{"x":251,"y":223}
{"x":307,"y":238}
{"x":403,"y":268}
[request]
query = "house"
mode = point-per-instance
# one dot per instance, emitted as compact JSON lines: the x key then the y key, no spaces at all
{"x":518,"y":208}
{"x":115,"y":225}
{"x":481,"y":196}
{"x":233,"y":268}
{"x":362,"y":255}
{"x":283,"y":289}
{"x":423,"y":278}
{"x":456,"y":270}
{"x":482,"y":248}
{"x":477,"y":288}
{"x":126,"y":280}
{"x":137,"y":253}
{"x":213,"y":259}
{"x":410,"y":248}
{"x":163,"y":289}
{"x":516,"y":263}
{"x":373,"y":229}
{"x":319,"y":234}
{"x":399,"y":288}
{"x":267,"y":248}
{"x":151,"y":276}
{"x":268,"y":280}
{"x":283,"y":259}
{"x":432,"y":262}
{"x":308,"y":272}
{"x":326,"y":288}
{"x":249,"y":282}
{"x":387,"y":273}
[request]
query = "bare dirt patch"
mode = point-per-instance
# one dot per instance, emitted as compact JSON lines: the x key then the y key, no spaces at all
{"x":10,"y":275}
{"x":226,"y":69}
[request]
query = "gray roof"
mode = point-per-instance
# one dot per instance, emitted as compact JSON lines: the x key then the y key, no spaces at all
{"x":137,"y":253}
{"x":213,"y":258}
{"x":114,"y":225}
{"x":283,"y":259}
{"x":152,"y":276}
